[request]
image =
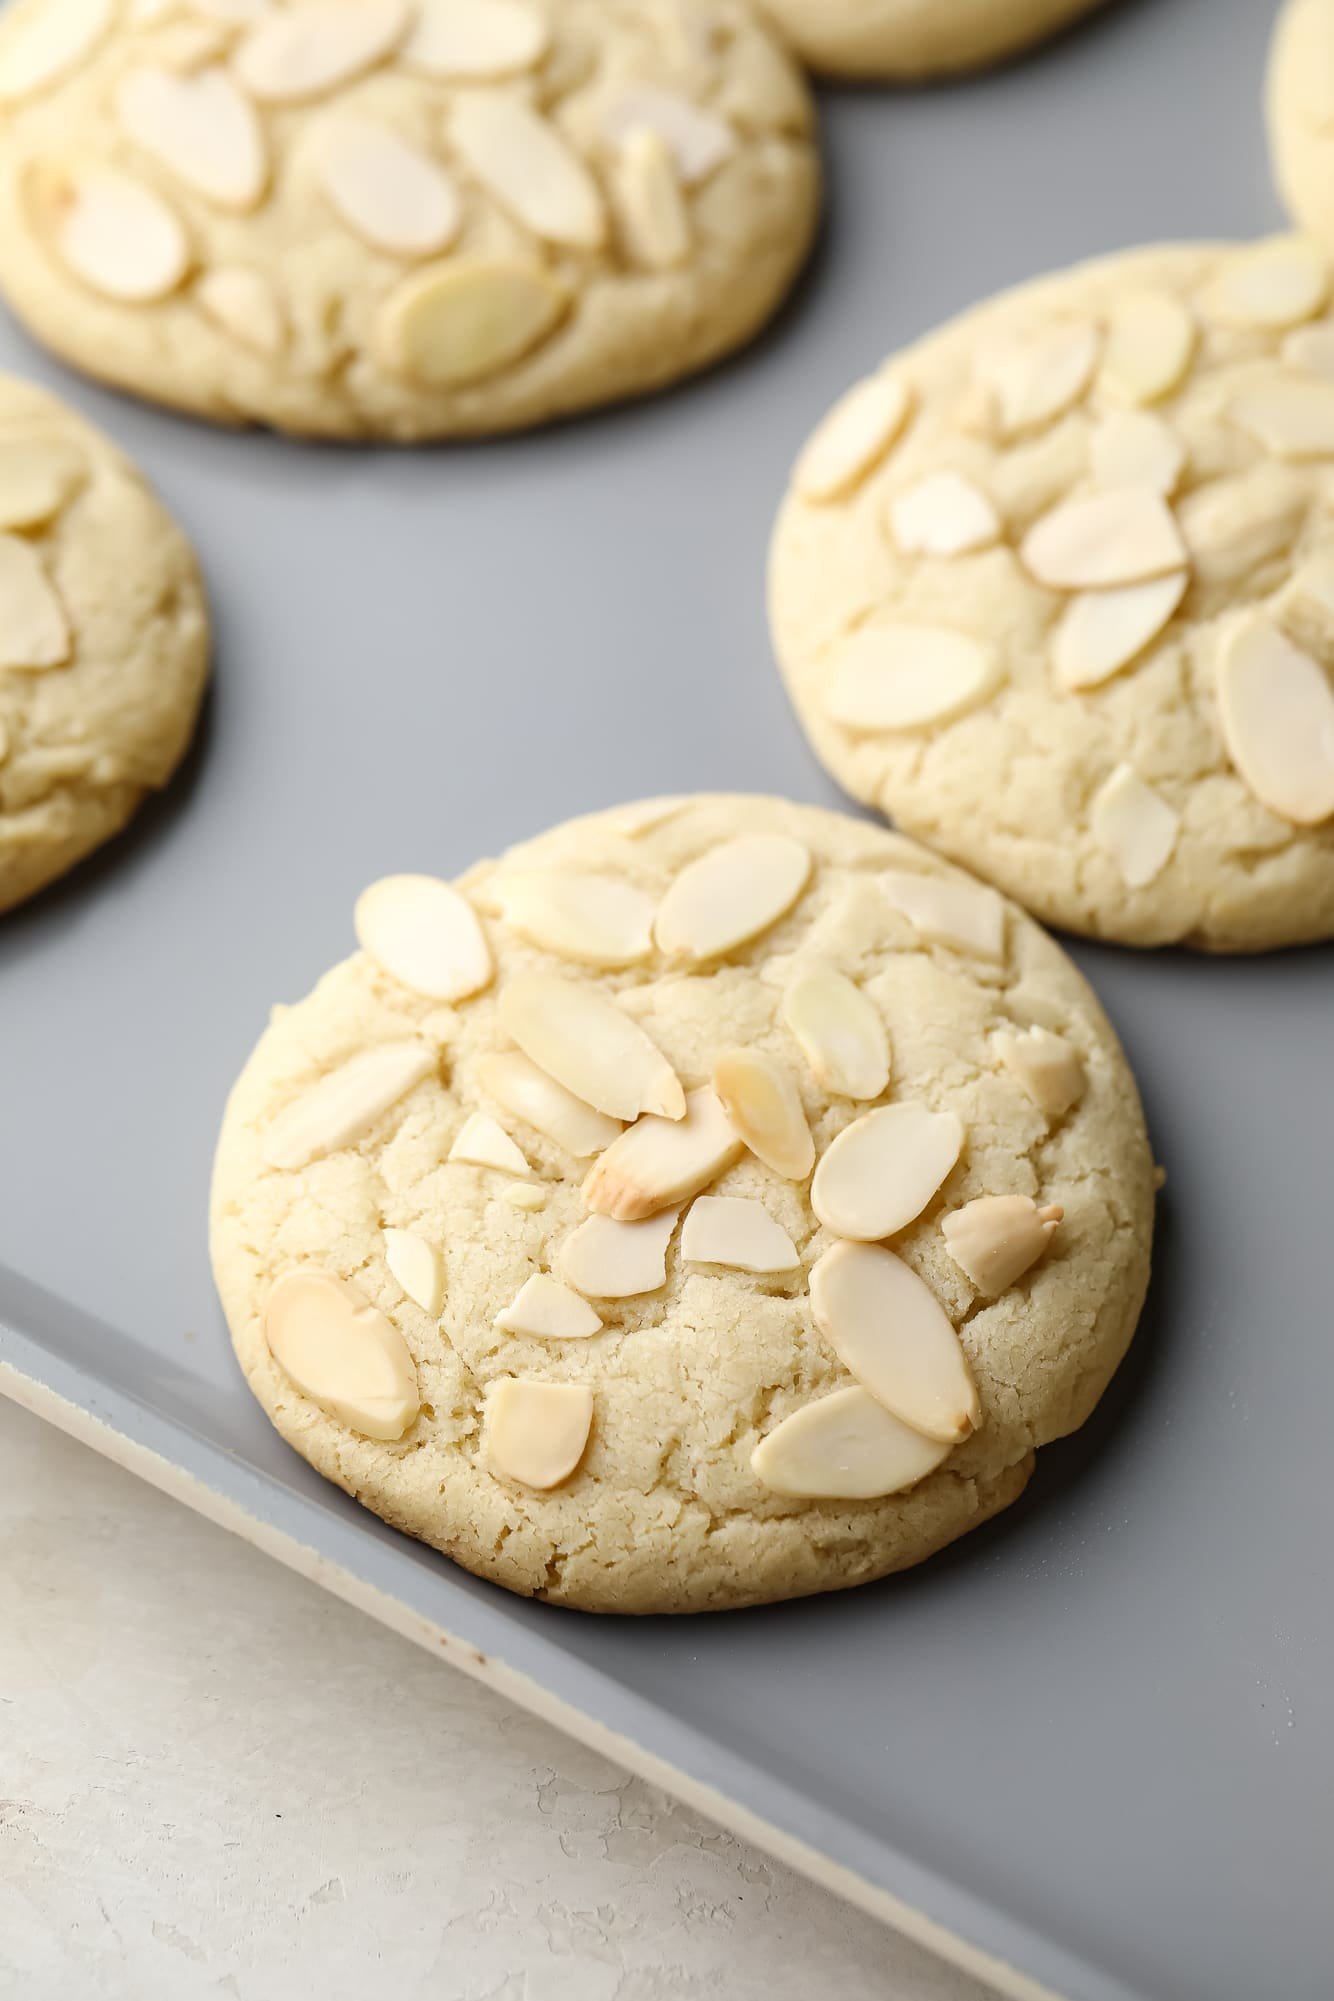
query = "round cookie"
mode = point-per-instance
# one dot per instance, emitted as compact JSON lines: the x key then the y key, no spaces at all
{"x":1301,"y":112}
{"x":398,"y":218}
{"x":1055,"y":590}
{"x":674,"y":1370}
{"x":903,"y":39}
{"x":103,"y":640}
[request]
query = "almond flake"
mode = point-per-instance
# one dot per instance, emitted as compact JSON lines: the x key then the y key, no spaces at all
{"x":760,"y":1098}
{"x":853,"y":439}
{"x":1122,"y":536}
{"x":1131,"y":448}
{"x":44,"y":42}
{"x":310,"y":49}
{"x":660,"y":1163}
{"x":244,"y":305}
{"x":943,"y":515}
{"x":526,"y":1195}
{"x":883,"y":1169}
{"x":598,"y":919}
{"x":996,"y":1239}
{"x":1233,"y":527}
{"x":1277,"y":285}
{"x":425,"y":935}
{"x":390,"y":192}
{"x":1135,"y":826}
{"x":892,"y":1333}
{"x":346,"y":1103}
{"x":840,"y":1031}
{"x":845,"y":1447}
{"x":730,"y":1230}
{"x":536,"y":1433}
{"x":113,"y":233}
{"x":730,"y":895}
{"x":470,"y":41}
{"x":654,"y":219}
{"x":37,"y":477}
{"x":459,"y":322}
{"x":549,"y":1311}
{"x":1101,"y":632}
{"x":529,"y":1094}
{"x":483,"y":1142}
{"x":523,"y":161}
{"x":34,"y":631}
{"x":1150,"y":345}
{"x":905,"y":677}
{"x":1292,"y":418}
{"x":608,"y":1260}
{"x":1277,"y":710}
{"x":340,"y":1351}
{"x":200,"y":128}
{"x":1034,"y":379}
{"x":700,"y":141}
{"x":418,"y":1267}
{"x":579,"y":1036}
{"x":1311,"y":348}
{"x":963,"y":915}
{"x":1050,"y":1071}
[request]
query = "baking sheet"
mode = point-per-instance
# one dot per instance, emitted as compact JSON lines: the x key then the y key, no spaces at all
{"x":1089,"y":1750}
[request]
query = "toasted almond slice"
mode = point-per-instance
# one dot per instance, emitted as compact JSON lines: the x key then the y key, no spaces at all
{"x":1149,"y":348}
{"x":528,"y":167}
{"x":1132,"y":448}
{"x":536,"y":1433}
{"x":244,"y":305}
{"x":472,"y":41}
{"x":1035,"y":378}
{"x":700,"y":140}
{"x":346,"y":1103}
{"x":840,"y":1031}
{"x":201,"y":128}
{"x":549,"y":1311}
{"x":390,"y":192}
{"x":34,"y":631}
{"x":545,"y":1105}
{"x":760,"y":1098}
{"x":1122,"y":536}
{"x":1311,"y":348}
{"x":996,"y":1239}
{"x":906,"y":677}
{"x":579,"y":1036}
{"x":1135,"y":825}
{"x":483,"y":1142}
{"x":891,"y":1331}
{"x":337,"y":1349}
{"x":425,"y":935}
{"x":418,"y":1267}
{"x":883,"y":1169}
{"x":44,"y":42}
{"x":654,"y":218}
{"x":731,"y":1230}
{"x":310,"y":49}
{"x":845,"y":1447}
{"x":853,"y":438}
{"x":608,"y":1260}
{"x":660,"y":1163}
{"x":1290,"y":416}
{"x":964,"y":915}
{"x":462,"y":321}
{"x":1277,"y":709}
{"x":731,"y":895}
{"x":114,"y":234}
{"x":599,"y":919}
{"x":943,"y":515}
{"x":1050,"y":1071}
{"x":1279,"y":284}
{"x":37,"y":477}
{"x":1101,"y":632}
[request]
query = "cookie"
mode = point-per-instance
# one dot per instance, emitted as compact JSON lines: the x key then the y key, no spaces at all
{"x":712,"y":1201}
{"x":103,"y":640}
{"x":902,"y":39}
{"x":1301,"y":112}
{"x":398,"y":218}
{"x":1055,"y":590}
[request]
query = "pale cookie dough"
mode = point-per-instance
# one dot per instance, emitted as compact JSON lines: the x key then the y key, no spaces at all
{"x":1055,"y":590}
{"x":103,"y":640}
{"x":712,"y":1201}
{"x":398,"y":218}
{"x":902,"y":39}
{"x":1301,"y":112}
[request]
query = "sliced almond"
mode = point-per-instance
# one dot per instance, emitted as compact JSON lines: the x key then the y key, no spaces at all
{"x":853,"y":439}
{"x":523,"y":161}
{"x":731,"y":1230}
{"x":964,"y":915}
{"x":1149,"y":347}
{"x":201,"y":128}
{"x":418,"y":1267}
{"x":549,"y":1311}
{"x":1131,"y":448}
{"x":907,"y":677}
{"x":244,"y":305}
{"x":483,"y":1142}
{"x":46,"y":41}
{"x":660,"y":1163}
{"x":34,"y":631}
{"x":892,"y":1333}
{"x":599,"y":919}
{"x":536,"y":1433}
{"x":644,"y":816}
{"x":545,"y":1105}
{"x":845,"y":1447}
{"x":1311,"y":348}
{"x":1100,"y":632}
{"x":112,"y":233}
{"x":840,"y":1031}
{"x":1277,"y":709}
{"x":526,"y":1195}
{"x":425,"y":935}
{"x":1135,"y":825}
{"x":310,"y":49}
{"x":346,"y":1103}
{"x":1277,"y":285}
{"x":731,"y":895}
{"x":760,"y":1098}
{"x":1050,"y":1071}
{"x":943,"y":515}
{"x":654,"y":218}
{"x":390,"y":192}
{"x":1233,"y":527}
{"x":1290,"y":416}
{"x":996,"y":1239}
{"x":579,"y":1036}
{"x":37,"y":477}
{"x":1122,"y":536}
{"x":1037,"y":377}
{"x":883,"y":1169}
{"x":473,"y":41}
{"x":700,"y":140}
{"x":608,"y":1260}
{"x":337,"y":1349}
{"x":460,"y":322}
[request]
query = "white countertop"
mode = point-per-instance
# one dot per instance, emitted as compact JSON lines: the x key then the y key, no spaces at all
{"x":215,"y":1780}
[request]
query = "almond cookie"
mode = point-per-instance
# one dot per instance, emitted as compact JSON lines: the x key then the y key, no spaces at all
{"x":902,"y":39}
{"x":1301,"y":112}
{"x":103,"y":640}
{"x":712,"y":1201}
{"x":398,"y":218}
{"x":1055,"y":589}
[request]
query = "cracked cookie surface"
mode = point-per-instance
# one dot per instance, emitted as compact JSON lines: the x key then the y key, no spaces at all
{"x":903,"y":39}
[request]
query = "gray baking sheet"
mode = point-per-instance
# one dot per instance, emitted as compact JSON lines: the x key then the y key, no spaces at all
{"x":1095,"y":1742}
